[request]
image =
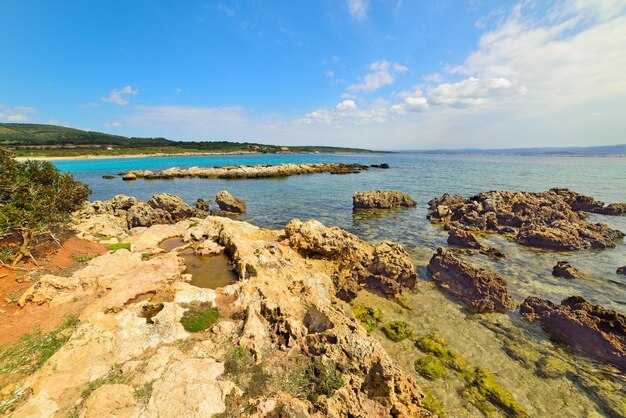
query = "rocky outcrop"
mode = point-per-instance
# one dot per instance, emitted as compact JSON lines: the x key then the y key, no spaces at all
{"x":621,"y":270}
{"x":565,"y":270}
{"x":173,"y":205}
{"x":124,"y":212}
{"x":467,"y":241}
{"x":381,"y":199}
{"x":555,"y":219}
{"x":229,"y":203}
{"x":599,"y":332}
{"x":386,"y":268}
{"x":481,"y":290}
{"x":246,"y":172}
{"x":131,"y":356}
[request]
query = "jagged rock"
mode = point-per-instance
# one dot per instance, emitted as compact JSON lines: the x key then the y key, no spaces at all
{"x":599,"y":332}
{"x":174,"y":205}
{"x":467,"y":241}
{"x":142,"y":214}
{"x":481,"y":290}
{"x":229,"y":203}
{"x":566,"y":270}
{"x":202,"y":205}
{"x":614,"y":209}
{"x":386,"y":268}
{"x":621,"y":270}
{"x":381,"y":199}
{"x":554,"y":219}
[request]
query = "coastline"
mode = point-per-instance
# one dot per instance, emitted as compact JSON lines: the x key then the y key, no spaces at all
{"x":184,"y":154}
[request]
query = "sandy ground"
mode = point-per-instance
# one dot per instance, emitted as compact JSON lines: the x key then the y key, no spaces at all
{"x":99,"y":157}
{"x":16,"y":321}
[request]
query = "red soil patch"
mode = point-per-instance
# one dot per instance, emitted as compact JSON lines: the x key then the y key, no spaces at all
{"x":16,"y":321}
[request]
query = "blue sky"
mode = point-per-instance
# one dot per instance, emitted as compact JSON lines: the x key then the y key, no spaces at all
{"x":387,"y":74}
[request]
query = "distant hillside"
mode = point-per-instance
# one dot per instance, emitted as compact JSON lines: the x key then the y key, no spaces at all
{"x":49,"y":140}
{"x":597,"y":150}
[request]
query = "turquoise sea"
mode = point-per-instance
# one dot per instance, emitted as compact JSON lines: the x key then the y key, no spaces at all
{"x":483,"y":340}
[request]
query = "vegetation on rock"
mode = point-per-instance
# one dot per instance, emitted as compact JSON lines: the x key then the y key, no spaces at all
{"x":199,"y":317}
{"x":369,"y":317}
{"x":36,"y":199}
{"x":397,"y":331}
{"x":429,"y":367}
{"x":119,"y":246}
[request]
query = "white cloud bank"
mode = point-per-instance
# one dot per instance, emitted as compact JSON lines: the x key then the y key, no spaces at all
{"x":16,"y":114}
{"x":358,"y":9}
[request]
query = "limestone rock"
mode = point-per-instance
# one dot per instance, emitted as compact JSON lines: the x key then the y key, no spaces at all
{"x":129,"y":176}
{"x":115,"y":400}
{"x":171,"y":204}
{"x":229,"y":203}
{"x":599,"y":332}
{"x":566,"y":270}
{"x":142,"y":214}
{"x":381,"y":199}
{"x":481,"y":290}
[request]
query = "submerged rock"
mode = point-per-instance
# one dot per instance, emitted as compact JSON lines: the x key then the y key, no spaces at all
{"x":229,"y":203}
{"x":597,"y":331}
{"x":481,"y":290}
{"x":565,"y":270}
{"x":386,"y":268}
{"x":621,"y":270}
{"x":466,"y":240}
{"x":381,"y":199}
{"x":555,"y":219}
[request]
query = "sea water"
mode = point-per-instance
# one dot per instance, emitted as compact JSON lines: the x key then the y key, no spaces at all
{"x":272,"y":203}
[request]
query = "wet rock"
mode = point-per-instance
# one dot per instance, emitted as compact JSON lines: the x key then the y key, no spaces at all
{"x":467,"y":241}
{"x":614,"y":209}
{"x":597,"y":331}
{"x":142,"y":214}
{"x":202,"y":205}
{"x":565,"y":270}
{"x":381,"y":199}
{"x":386,"y":268}
{"x":555,"y":219}
{"x":108,"y":177}
{"x":383,"y":165}
{"x":173,"y":205}
{"x":481,"y":290}
{"x":229,"y":203}
{"x":129,"y":177}
{"x":621,"y":270}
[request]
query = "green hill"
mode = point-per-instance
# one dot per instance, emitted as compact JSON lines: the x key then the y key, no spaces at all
{"x":27,"y":139}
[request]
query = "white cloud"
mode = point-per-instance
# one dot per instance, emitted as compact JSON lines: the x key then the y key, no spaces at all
{"x":113,"y":125}
{"x":118,"y":97}
{"x":16,"y":114}
{"x":358,"y":9}
{"x":433,"y":77}
{"x":178,"y":90}
{"x":329,"y":73}
{"x":346,"y":105}
{"x":225,"y":10}
{"x":471,"y":92}
{"x":381,"y":73}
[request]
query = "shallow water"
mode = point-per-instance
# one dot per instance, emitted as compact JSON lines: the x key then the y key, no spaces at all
{"x":328,"y":198}
{"x":209,"y":272}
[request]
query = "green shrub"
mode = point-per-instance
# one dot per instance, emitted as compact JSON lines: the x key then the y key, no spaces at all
{"x":397,"y":331}
{"x":325,"y":380}
{"x":199,"y":317}
{"x":35,"y":200}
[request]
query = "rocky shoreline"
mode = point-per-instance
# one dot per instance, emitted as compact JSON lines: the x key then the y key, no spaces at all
{"x":249,"y":172}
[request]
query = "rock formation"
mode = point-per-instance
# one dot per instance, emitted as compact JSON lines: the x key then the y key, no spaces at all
{"x":554,"y":219}
{"x":481,"y":290}
{"x":599,"y":332}
{"x":131,"y":356}
{"x":386,"y":268}
{"x":381,"y":199}
{"x":246,"y":172}
{"x":621,"y":270}
{"x":565,"y":270}
{"x":467,"y":241}
{"x":229,"y":203}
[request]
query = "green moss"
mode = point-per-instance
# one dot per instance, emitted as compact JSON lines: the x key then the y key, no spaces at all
{"x":325,"y":380}
{"x":199,"y":317}
{"x":119,"y":246}
{"x":551,"y":367}
{"x":489,"y":387}
{"x":114,"y":376}
{"x":397,"y":331}
{"x":241,"y":369}
{"x":432,"y":403}
{"x":436,"y":345}
{"x":429,"y":367}
{"x":521,"y":352}
{"x":369,"y":317}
